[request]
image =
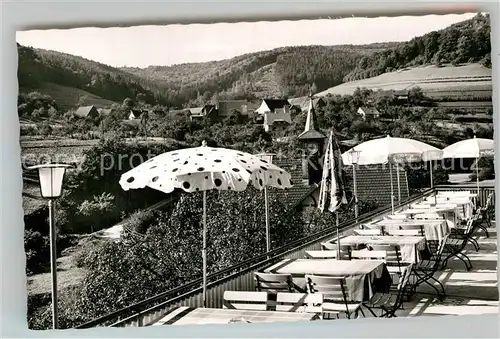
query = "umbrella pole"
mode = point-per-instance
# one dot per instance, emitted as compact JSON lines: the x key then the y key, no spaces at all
{"x":399,"y":183}
{"x":204,"y":251}
{"x":268,"y":232}
{"x":432,"y":180}
{"x":338,"y":235}
{"x":477,"y":176}
{"x":392,"y":188}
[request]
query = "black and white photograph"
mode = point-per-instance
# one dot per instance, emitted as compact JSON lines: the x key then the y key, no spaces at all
{"x":328,"y":170}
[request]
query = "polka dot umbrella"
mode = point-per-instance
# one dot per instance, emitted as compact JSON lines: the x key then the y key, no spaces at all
{"x":205,"y":168}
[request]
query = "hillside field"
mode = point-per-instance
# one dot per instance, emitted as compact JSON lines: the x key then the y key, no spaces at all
{"x":68,"y":97}
{"x":465,"y":82}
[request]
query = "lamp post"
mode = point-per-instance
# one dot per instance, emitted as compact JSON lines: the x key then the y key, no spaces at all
{"x":269,"y":158}
{"x":51,"y":178}
{"x":354,"y":161}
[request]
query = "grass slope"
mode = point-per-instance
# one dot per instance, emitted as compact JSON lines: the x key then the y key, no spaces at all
{"x":68,"y":97}
{"x":471,"y":81}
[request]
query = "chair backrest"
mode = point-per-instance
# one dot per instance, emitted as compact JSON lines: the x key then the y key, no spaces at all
{"x":245,"y":300}
{"x":371,"y":227}
{"x":393,"y":254}
{"x":299,"y":302}
{"x":396,"y":216}
{"x":369,"y":232}
{"x":426,"y":216}
{"x":273,"y":282}
{"x":332,"y":288}
{"x":344,"y":249}
{"x":405,"y":232}
{"x":419,"y":228}
{"x":327,"y":254}
{"x":369,"y":255}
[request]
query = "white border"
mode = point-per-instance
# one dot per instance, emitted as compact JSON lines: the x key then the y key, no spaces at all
{"x":22,"y":15}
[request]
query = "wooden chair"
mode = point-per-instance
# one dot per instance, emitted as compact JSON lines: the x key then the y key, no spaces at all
{"x":419,"y":228}
{"x":369,"y":255}
{"x":396,"y":217}
{"x":389,"y":303}
{"x":425,"y":269}
{"x":428,"y":216}
{"x":405,"y":233}
{"x":369,"y":232}
{"x":273,"y":282}
{"x":393,"y":261}
{"x":328,"y":254}
{"x":300,"y":302}
{"x":245,"y":300}
{"x":335,"y":295}
{"x":344,"y":249}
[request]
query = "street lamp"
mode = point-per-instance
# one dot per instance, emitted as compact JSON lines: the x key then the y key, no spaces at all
{"x":51,"y":178}
{"x":268,"y":157}
{"x":354,"y":161}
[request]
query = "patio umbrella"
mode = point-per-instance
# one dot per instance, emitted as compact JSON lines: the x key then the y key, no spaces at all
{"x":331,"y":185}
{"x":471,"y":148}
{"x":393,"y":150}
{"x":201,"y":169}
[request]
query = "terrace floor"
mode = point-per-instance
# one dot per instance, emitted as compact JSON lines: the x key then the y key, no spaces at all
{"x":468,"y":292}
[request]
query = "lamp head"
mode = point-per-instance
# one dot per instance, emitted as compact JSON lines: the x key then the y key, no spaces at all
{"x":51,"y":178}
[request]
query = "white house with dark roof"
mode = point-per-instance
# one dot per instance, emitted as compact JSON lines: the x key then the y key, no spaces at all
{"x":368,"y":112}
{"x":270,"y":105}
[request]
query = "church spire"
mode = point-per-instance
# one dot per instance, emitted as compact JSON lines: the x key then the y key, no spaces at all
{"x":311,"y":129}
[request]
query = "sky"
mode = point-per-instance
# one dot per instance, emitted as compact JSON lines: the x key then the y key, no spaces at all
{"x":142,"y":46}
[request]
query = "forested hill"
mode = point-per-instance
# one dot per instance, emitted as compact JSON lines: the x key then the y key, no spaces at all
{"x":40,"y":68}
{"x":464,"y":42}
{"x":286,"y":71}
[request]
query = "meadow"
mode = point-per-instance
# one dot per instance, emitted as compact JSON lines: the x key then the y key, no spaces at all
{"x":465,"y":82}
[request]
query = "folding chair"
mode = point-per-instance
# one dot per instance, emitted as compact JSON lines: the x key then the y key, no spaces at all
{"x":389,"y":303}
{"x":425,"y":269}
{"x":335,"y":295}
{"x":273,"y":282}
{"x":245,"y":300}
{"x":300,"y":302}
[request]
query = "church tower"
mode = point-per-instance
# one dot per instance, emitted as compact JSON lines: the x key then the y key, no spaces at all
{"x":314,"y":141}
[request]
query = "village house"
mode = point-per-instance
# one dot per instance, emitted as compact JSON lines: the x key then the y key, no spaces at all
{"x":302,"y":103}
{"x":224,"y":108}
{"x":277,"y":120}
{"x":369,"y":113}
{"x":135,"y":114}
{"x":401,"y":97}
{"x":87,"y":112}
{"x":198,"y":113}
{"x":104,"y":111}
{"x":270,"y":105}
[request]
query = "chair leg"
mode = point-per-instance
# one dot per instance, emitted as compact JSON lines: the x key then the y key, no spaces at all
{"x":474,"y":243}
{"x":469,"y":267}
{"x":440,"y":284}
{"x":371,"y":311}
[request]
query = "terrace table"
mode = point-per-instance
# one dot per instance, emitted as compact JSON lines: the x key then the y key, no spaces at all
{"x":445,"y":211}
{"x":363,"y":277}
{"x":433,"y":229}
{"x":201,"y":316}
{"x":409,"y":245}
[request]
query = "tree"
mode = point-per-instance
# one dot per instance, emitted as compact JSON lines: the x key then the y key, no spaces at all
{"x":95,"y":209}
{"x":52,"y":113}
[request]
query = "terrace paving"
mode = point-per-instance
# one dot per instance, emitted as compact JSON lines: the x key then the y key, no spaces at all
{"x":468,"y":292}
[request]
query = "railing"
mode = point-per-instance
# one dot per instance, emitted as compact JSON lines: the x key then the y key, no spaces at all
{"x":240,"y":277}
